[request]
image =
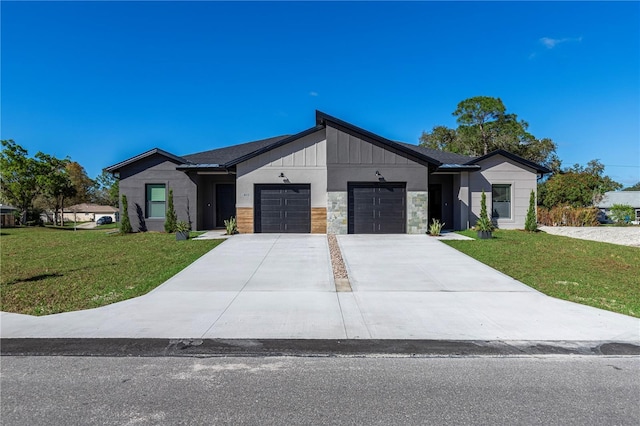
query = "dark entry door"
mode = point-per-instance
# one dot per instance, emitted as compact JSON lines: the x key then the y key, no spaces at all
{"x":377,"y":208}
{"x":225,"y":203}
{"x":435,"y":202}
{"x":283,"y":208}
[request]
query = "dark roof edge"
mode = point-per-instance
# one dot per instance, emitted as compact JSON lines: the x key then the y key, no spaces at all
{"x":273,"y":146}
{"x":322,"y":118}
{"x":458,"y":168}
{"x":537,"y":167}
{"x":146,"y":154}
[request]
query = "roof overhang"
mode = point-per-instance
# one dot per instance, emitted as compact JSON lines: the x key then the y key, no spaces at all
{"x":455,"y":168}
{"x":151,"y":152}
{"x":540,"y":169}
{"x":205,"y":169}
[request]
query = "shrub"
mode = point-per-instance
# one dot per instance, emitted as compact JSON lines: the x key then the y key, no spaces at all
{"x":484,"y":223}
{"x":182,"y":226}
{"x":621,"y":213}
{"x":125,"y":224}
{"x":568,"y":216}
{"x":436,"y":227}
{"x":530,"y":223}
{"x":231,"y":225}
{"x":171,"y":219}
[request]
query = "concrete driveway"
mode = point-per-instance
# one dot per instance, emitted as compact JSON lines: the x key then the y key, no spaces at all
{"x":281,"y":286}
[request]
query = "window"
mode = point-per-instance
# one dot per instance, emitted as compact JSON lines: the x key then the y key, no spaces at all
{"x":156,"y":198}
{"x":501,"y":201}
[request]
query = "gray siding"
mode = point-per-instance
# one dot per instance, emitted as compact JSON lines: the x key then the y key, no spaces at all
{"x":501,"y":170}
{"x":350,"y":159}
{"x":159,"y":170}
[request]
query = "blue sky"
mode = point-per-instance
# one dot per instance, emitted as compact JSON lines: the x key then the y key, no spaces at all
{"x":103,"y":81}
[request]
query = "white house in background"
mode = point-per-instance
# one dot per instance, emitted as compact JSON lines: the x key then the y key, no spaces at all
{"x":630,"y":198}
{"x":89,"y":212}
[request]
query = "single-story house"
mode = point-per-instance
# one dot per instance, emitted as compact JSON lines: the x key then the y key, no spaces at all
{"x":86,"y":212}
{"x":7,"y":216}
{"x":629,"y":198}
{"x":333,"y":177}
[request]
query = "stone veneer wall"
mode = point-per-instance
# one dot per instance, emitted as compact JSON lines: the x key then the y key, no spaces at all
{"x":417,"y":212}
{"x":337,"y":212}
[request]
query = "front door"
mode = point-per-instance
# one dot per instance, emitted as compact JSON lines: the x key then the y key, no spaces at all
{"x":225,"y":203}
{"x":435,"y":202}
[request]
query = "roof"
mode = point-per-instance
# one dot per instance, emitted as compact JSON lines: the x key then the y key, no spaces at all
{"x":222,"y":159}
{"x":90,"y":208}
{"x":227,"y":154}
{"x":631,"y":198}
{"x":442,"y":156}
{"x":146,"y":154}
{"x":537,"y":167}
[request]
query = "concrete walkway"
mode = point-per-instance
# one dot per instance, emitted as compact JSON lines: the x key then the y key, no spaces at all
{"x":268,"y":286}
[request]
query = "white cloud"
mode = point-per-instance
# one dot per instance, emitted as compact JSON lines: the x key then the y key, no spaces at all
{"x":313,"y":93}
{"x":550,"y":43}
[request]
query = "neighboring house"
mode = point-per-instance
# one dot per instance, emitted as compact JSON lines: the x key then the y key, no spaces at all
{"x":630,"y":198}
{"x":331,"y":178}
{"x":89,"y":212}
{"x":7,"y":216}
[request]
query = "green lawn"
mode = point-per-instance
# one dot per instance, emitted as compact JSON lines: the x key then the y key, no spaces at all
{"x":45,"y":271}
{"x":603,"y":275}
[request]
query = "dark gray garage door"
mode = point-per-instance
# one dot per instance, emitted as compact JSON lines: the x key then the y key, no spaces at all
{"x":283,"y":208}
{"x":377,"y":208}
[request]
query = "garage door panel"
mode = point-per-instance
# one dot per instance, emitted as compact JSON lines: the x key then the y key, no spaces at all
{"x":377,"y":208}
{"x":283,"y":208}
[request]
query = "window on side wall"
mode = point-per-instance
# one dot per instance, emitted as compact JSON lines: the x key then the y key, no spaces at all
{"x":156,"y":201}
{"x":501,"y":201}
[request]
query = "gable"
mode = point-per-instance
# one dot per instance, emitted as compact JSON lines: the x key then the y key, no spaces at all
{"x":306,"y":151}
{"x":501,"y":164}
{"x":348,"y":149}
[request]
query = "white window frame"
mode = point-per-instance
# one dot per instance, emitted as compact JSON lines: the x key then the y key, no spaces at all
{"x":511,"y":218}
{"x":147,"y":212}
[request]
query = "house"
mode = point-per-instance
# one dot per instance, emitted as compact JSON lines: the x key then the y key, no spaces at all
{"x":86,"y":212}
{"x":7,"y":216}
{"x":629,"y":198}
{"x":333,"y":177}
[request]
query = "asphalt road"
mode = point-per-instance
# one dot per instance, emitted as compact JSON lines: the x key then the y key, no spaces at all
{"x":563,"y":390}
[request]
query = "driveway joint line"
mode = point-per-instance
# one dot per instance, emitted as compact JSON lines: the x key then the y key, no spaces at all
{"x":242,"y":289}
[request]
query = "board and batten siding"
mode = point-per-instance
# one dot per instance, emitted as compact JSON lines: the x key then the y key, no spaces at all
{"x":352,"y":159}
{"x":501,"y":170}
{"x":303,"y":161}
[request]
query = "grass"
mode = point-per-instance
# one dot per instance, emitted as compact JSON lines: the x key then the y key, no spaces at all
{"x":602,"y":275}
{"x":46,"y":271}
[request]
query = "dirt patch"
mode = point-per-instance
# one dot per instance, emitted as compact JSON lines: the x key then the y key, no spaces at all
{"x":623,"y":235}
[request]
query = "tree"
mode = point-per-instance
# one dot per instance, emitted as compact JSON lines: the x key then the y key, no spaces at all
{"x":484,"y":126}
{"x":82,"y":183}
{"x":635,"y":187}
{"x":171,"y":219}
{"x":621,"y":213}
{"x":55,"y":183}
{"x":106,"y":190}
{"x":577,"y":186}
{"x":125,"y":223}
{"x":531,"y":222}
{"x":18,"y":177}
